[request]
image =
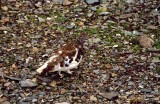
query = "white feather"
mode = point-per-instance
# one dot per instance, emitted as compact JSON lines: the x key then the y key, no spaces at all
{"x":72,"y":65}
{"x":40,"y":70}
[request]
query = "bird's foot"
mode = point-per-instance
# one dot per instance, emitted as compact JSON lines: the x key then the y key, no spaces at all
{"x":69,"y":72}
{"x":60,"y":74}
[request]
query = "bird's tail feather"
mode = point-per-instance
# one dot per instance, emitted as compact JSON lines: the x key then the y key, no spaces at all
{"x":41,"y":69}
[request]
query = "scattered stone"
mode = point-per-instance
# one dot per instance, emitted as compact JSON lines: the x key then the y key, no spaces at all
{"x":5,"y":8}
{"x":78,"y":10}
{"x":67,"y":2}
{"x":157,"y":98}
{"x":115,"y":46}
{"x":130,"y":57}
{"x":34,"y":100}
{"x":145,"y":41}
{"x":41,"y":19}
{"x":152,"y":27}
{"x":130,"y":1}
{"x":35,"y":49}
{"x":119,"y":35}
{"x":28,"y":45}
{"x":5,"y":32}
{"x":58,"y":1}
{"x":81,"y":24}
{"x":12,"y":1}
{"x":42,"y":25}
{"x":89,"y":14}
{"x":20,"y":21}
{"x":6,"y":102}
{"x":4,"y":28}
{"x":93,"y":98}
{"x":5,"y":20}
{"x":126,"y":42}
{"x":71,"y":25}
{"x":93,"y":2}
{"x":144,"y":90}
{"x":94,"y":40}
{"x":93,"y":8}
{"x":123,"y":16}
{"x":157,"y":76}
{"x":28,"y":83}
{"x":12,"y":78}
{"x":144,"y":58}
{"x":62,"y":103}
{"x":104,"y":77}
{"x":49,"y":18}
{"x":130,"y":83}
{"x":108,"y":66}
{"x":104,"y":13}
{"x":127,"y":32}
{"x":7,"y":84}
{"x":135,"y":32}
{"x":110,"y":95}
{"x":96,"y":71}
{"x":114,"y":75}
{"x":155,"y":60}
{"x":38,"y":4}
{"x":116,"y":67}
{"x":53,"y":84}
{"x":37,"y":37}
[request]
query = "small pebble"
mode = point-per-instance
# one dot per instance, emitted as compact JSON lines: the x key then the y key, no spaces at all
{"x":34,"y":100}
{"x":41,"y":19}
{"x":144,"y":90}
{"x":93,"y":98}
{"x":92,"y":2}
{"x":28,"y":83}
{"x":5,"y":8}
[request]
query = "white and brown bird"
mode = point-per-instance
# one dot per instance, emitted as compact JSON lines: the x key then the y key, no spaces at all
{"x":68,"y":57}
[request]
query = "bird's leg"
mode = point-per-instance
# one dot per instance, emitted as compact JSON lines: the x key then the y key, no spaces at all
{"x":69,"y":71}
{"x":61,"y":75}
{"x":74,"y":58}
{"x":76,"y":67}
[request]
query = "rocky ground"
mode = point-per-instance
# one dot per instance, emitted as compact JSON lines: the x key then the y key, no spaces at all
{"x":122,"y":60}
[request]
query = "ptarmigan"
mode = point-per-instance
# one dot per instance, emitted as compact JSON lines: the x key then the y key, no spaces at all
{"x":68,"y":57}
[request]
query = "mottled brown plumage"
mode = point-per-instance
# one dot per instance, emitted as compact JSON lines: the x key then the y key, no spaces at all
{"x":66,"y":58}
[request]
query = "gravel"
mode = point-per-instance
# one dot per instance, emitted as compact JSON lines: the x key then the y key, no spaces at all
{"x":121,"y":63}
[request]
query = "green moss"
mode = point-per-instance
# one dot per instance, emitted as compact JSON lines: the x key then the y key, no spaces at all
{"x":98,"y":11}
{"x":158,"y":70}
{"x":136,"y":48}
{"x":91,"y":31}
{"x":61,"y":19}
{"x":31,"y":18}
{"x":59,"y":28}
{"x":157,"y":45}
{"x":10,"y":60}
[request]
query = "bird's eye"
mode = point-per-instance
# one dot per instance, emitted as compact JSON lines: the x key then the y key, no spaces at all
{"x":65,"y":59}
